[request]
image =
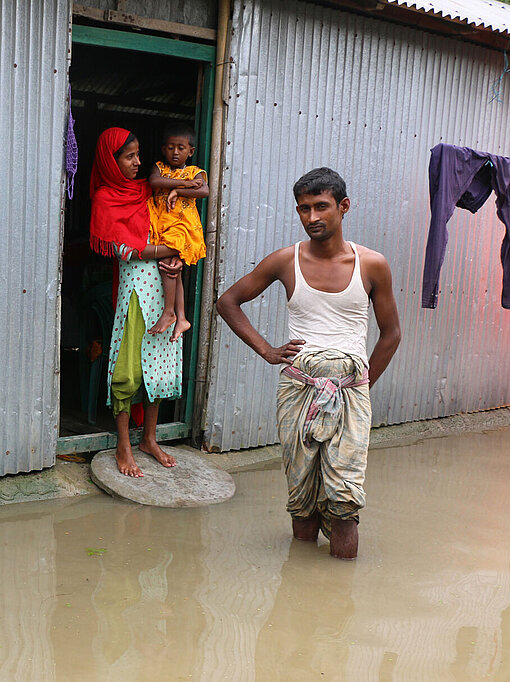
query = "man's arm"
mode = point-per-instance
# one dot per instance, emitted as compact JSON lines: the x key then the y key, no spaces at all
{"x":246,"y":289}
{"x":386,"y":315}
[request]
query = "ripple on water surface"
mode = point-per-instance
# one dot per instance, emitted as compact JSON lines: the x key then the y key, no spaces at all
{"x":98,"y":589}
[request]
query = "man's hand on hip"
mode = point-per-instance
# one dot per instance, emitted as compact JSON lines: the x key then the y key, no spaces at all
{"x":286,"y":353}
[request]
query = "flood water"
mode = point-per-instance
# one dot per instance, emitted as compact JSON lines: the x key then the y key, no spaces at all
{"x":97,"y":589}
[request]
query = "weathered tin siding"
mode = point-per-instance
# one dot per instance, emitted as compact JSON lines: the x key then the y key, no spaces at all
{"x":197,"y":13}
{"x":33,"y":77}
{"x":314,"y":86}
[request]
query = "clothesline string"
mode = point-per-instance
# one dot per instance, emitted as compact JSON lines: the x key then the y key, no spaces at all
{"x":498,"y":83}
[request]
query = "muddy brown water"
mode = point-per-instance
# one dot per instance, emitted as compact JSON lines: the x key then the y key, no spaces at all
{"x":97,"y":589}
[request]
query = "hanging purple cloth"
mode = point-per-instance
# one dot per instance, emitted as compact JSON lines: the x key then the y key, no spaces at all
{"x":71,"y":152}
{"x":460,"y":176}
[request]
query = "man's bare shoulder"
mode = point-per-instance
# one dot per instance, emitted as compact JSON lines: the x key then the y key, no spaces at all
{"x":279,"y":258}
{"x":371,"y":259}
{"x":375,"y":269}
{"x":284,"y":253}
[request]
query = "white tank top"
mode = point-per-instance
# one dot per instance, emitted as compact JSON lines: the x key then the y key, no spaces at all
{"x":330,"y":320}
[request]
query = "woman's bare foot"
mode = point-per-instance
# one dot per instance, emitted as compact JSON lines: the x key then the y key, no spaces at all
{"x":181,"y":326}
{"x":152,"y":448}
{"x":166,"y":320}
{"x":126,"y":462}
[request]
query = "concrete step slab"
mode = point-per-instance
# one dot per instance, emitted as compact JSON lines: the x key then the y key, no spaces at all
{"x":192,"y":483}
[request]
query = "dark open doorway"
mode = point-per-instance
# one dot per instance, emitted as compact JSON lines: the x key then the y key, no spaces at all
{"x":140,"y":90}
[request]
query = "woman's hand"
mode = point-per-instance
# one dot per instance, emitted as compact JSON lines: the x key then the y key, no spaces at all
{"x":171,"y":267}
{"x":171,"y":199}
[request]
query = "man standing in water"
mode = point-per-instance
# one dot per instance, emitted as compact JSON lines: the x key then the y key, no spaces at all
{"x":323,"y":406}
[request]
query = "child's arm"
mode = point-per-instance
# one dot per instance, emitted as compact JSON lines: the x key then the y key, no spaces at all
{"x":154,"y":251}
{"x":158,"y":182}
{"x":198,"y":192}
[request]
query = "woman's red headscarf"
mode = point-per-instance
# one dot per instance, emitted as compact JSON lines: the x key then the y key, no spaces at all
{"x":119,"y":205}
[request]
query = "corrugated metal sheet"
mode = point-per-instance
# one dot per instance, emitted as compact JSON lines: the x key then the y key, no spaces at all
{"x":314,"y":86}
{"x":487,"y":13}
{"x":33,"y":77}
{"x":197,"y":13}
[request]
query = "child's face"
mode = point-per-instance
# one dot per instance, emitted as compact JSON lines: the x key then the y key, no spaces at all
{"x":177,"y":151}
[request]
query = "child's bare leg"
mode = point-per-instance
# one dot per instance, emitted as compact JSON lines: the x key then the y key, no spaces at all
{"x":168,"y":315}
{"x":124,"y":455}
{"x":182,"y":325}
{"x":148,"y":443}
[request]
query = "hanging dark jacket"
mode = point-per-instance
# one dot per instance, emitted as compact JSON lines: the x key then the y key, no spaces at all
{"x":460,"y":176}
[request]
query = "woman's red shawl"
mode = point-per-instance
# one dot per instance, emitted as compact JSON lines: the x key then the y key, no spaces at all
{"x":119,"y":206}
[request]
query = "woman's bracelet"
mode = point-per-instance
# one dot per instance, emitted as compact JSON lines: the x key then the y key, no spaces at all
{"x":155,"y":251}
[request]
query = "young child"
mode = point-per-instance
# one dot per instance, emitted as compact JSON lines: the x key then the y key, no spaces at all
{"x":175,"y":221}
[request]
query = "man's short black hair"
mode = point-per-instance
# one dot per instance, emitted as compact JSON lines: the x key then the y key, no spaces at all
{"x":179,"y":129}
{"x":321,"y":180}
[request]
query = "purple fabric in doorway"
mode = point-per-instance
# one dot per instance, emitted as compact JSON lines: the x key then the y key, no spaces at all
{"x":460,"y":176}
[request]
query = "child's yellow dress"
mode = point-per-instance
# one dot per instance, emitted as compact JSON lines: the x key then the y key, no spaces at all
{"x":180,"y":228}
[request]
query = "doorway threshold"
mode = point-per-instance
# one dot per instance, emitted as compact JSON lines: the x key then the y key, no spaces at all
{"x":104,"y":440}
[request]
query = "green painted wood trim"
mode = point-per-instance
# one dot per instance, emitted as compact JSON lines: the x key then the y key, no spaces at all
{"x":204,"y":117}
{"x":89,"y":442}
{"x":103,"y":37}
{"x":106,"y":37}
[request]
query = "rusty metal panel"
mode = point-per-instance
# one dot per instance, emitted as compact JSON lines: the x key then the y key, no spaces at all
{"x":33,"y":80}
{"x":486,"y":13}
{"x":314,"y":86}
{"x":197,"y":13}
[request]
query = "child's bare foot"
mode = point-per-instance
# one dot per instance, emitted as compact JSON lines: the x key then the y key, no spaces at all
{"x":152,"y":448}
{"x":181,"y":326}
{"x":126,"y":462}
{"x":166,"y":320}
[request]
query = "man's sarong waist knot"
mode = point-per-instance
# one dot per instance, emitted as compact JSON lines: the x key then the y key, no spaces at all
{"x":328,"y":392}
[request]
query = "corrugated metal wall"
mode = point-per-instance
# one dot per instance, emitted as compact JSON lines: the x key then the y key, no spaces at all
{"x":196,"y":13}
{"x":33,"y":77}
{"x":314,"y":86}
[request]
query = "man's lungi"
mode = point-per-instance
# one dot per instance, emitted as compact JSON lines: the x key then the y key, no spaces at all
{"x":325,"y":459}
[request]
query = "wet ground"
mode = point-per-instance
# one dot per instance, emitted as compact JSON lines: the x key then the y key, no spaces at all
{"x":95,"y":589}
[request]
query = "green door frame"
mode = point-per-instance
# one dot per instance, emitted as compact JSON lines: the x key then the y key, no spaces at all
{"x":206,"y":54}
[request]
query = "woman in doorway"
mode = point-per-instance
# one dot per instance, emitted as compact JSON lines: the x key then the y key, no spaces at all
{"x":141,"y":367}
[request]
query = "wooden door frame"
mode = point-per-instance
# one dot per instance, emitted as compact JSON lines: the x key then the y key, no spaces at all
{"x":206,"y":55}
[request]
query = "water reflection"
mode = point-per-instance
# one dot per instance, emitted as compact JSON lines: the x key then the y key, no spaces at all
{"x":27,"y":598}
{"x":98,"y":589}
{"x":141,"y":618}
{"x":246,"y":541}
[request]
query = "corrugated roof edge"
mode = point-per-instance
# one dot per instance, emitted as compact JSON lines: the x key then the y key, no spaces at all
{"x":488,"y":14}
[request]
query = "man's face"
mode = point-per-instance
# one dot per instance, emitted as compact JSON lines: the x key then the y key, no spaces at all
{"x":320,"y":215}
